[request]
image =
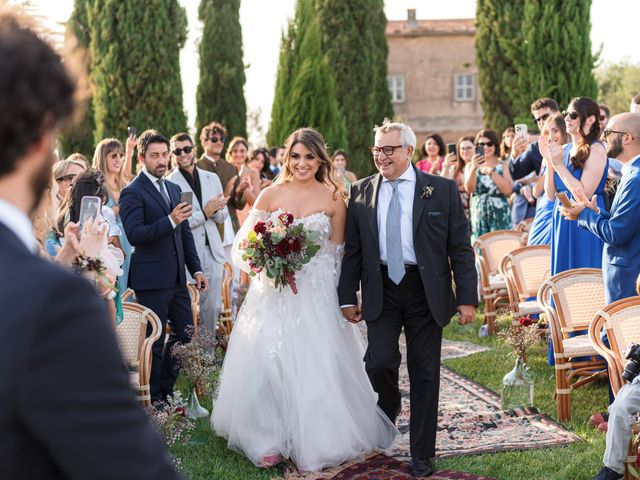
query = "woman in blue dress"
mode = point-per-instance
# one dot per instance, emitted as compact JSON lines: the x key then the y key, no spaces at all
{"x":555,"y":129}
{"x":580,"y":165}
{"x":110,"y":159}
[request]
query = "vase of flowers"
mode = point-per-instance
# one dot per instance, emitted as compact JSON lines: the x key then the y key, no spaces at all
{"x":518,"y":384}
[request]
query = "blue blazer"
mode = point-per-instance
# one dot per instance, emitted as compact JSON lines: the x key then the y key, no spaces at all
{"x":621,"y":235}
{"x":161,"y":252}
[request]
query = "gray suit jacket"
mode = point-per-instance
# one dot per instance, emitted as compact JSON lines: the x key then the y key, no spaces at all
{"x":201,"y":227}
{"x":441,"y":244}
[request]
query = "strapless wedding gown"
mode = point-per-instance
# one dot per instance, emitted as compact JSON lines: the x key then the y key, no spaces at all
{"x":293,"y":381}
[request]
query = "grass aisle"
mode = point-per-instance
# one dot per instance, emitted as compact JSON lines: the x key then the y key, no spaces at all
{"x":579,"y":461}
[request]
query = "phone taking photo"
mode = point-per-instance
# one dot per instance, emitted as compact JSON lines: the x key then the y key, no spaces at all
{"x":521,"y":130}
{"x":89,"y":208}
{"x":564,"y":200}
{"x":451,"y":148}
{"x":480,"y":150}
{"x":186,"y":197}
{"x":132,"y":131}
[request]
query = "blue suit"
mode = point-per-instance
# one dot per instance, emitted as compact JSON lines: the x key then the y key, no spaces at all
{"x":619,"y":230}
{"x":157,"y":272}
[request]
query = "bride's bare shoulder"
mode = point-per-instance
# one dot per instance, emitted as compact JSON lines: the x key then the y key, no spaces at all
{"x":267,"y":200}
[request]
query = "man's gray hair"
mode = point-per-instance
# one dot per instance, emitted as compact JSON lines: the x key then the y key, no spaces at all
{"x":407,"y":137}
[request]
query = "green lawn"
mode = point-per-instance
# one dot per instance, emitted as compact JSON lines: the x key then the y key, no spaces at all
{"x":578,"y":461}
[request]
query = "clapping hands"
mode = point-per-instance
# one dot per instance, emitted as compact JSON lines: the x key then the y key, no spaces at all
{"x":551,"y":151}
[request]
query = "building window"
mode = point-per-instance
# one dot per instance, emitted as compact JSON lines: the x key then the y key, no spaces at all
{"x":465,"y":88}
{"x":396,"y":87}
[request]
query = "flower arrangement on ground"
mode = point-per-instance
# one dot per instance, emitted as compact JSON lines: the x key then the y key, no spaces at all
{"x":279,"y":248}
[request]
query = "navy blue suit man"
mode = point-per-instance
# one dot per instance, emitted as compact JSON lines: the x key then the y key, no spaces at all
{"x":529,"y":158}
{"x":619,"y":227}
{"x":154,"y":221}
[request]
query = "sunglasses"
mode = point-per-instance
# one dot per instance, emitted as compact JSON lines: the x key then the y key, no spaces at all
{"x":573,"y":115}
{"x":541,"y":118}
{"x":66,"y":178}
{"x":178,"y":151}
{"x":485,"y":144}
{"x":217,"y":139}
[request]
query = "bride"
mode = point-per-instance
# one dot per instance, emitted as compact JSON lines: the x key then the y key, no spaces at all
{"x":293,"y":384}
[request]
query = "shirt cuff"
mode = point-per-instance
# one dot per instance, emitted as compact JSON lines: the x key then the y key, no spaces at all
{"x":196,"y":273}
{"x":351,"y":305}
{"x":173,"y":224}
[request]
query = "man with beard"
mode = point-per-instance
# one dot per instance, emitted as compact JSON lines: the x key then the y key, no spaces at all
{"x":618,"y":228}
{"x":209,"y":210}
{"x":153,"y":217}
{"x":66,"y":406}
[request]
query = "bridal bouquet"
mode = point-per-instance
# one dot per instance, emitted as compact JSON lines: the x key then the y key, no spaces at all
{"x":279,"y":248}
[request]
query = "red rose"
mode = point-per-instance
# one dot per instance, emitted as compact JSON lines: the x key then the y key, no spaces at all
{"x":283,"y":248}
{"x":526,"y":321}
{"x":296,"y":244}
{"x":260,"y":227}
{"x":286,"y":218}
{"x":181,"y":411}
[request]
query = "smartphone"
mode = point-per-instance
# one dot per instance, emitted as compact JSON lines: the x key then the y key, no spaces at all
{"x":132,"y":131}
{"x":89,"y":208}
{"x":451,"y":148}
{"x":564,"y":200}
{"x":521,"y":130}
{"x":186,"y":197}
{"x":480,"y":150}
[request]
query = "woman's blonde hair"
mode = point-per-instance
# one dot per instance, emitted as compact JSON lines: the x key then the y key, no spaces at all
{"x":315,"y":143}
{"x":232,"y":144}
{"x":60,"y":167}
{"x":103,"y":149}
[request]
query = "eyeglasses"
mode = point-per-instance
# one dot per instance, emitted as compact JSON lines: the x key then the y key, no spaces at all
{"x":573,"y":115}
{"x":66,"y":178}
{"x":541,"y":118}
{"x":178,"y":151}
{"x":485,"y":144}
{"x":217,"y":139}
{"x":608,"y":132}
{"x":388,"y":150}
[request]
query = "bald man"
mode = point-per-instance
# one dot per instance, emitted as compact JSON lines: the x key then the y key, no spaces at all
{"x":619,"y":227}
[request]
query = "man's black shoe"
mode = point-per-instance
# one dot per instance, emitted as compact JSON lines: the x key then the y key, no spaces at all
{"x":606,"y":473}
{"x":422,"y":468}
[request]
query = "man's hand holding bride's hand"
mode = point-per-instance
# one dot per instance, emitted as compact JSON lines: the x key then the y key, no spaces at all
{"x":352,"y":313}
{"x":467,"y":314}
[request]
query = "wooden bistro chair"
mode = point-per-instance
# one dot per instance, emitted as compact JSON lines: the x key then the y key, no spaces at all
{"x":524,"y":227}
{"x":194,"y":293}
{"x":525,"y":269}
{"x":621,"y":319}
{"x":225,"y":319}
{"x":135,"y":346}
{"x":570,"y":300}
{"x":489,"y":249}
{"x":128,"y":296}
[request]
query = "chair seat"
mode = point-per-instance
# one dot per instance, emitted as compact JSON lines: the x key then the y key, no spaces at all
{"x":529,"y":307}
{"x":497,"y":282}
{"x":578,"y":346}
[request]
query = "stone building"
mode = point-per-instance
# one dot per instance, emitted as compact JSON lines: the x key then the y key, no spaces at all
{"x":432,"y":76}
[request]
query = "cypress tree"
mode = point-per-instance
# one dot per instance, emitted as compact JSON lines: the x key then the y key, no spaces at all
{"x":220,"y":94}
{"x":499,"y":52}
{"x":278,"y":130}
{"x":558,"y":61}
{"x":354,"y":40}
{"x":135,"y":66}
{"x":79,"y":137}
{"x":311,"y":99}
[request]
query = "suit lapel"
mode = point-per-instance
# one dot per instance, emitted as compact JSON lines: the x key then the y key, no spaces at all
{"x":419,"y":204}
{"x":153,"y":191}
{"x":373,"y":191}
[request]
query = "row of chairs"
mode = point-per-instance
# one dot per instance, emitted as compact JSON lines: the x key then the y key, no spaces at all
{"x":141,"y":327}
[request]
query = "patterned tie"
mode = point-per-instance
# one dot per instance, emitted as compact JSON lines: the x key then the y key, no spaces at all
{"x":163,"y":192}
{"x":395,"y":259}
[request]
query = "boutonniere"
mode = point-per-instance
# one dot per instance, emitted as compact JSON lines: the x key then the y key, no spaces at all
{"x":427,"y":191}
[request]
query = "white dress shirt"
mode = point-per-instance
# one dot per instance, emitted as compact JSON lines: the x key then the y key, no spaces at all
{"x":16,"y":221}
{"x":154,"y":180}
{"x":406,"y":191}
{"x":625,"y":168}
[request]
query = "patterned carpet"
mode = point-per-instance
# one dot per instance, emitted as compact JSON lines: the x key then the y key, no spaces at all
{"x":469,"y":422}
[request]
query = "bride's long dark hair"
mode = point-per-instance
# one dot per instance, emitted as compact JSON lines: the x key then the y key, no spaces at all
{"x":314,"y":141}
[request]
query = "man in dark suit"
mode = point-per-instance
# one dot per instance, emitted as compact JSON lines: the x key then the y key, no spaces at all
{"x":67,"y":409}
{"x":406,"y":231}
{"x":154,"y":221}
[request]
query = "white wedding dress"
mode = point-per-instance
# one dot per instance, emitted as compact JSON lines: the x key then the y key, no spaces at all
{"x":293,"y":381}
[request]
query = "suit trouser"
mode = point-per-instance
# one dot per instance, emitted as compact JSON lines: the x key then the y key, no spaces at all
{"x":619,"y":429}
{"x":175,"y":304}
{"x":211,"y":300}
{"x":405,"y":306}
